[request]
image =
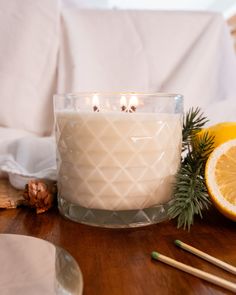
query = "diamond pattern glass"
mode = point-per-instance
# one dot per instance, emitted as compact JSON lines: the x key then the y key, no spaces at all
{"x":117,"y":169}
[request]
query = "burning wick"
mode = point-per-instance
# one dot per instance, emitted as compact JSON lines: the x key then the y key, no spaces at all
{"x":123,"y":103}
{"x":133,"y":104}
{"x":95,"y":109}
{"x":95,"y":103}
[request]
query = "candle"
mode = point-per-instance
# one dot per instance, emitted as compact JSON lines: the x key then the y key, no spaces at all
{"x":114,"y":160}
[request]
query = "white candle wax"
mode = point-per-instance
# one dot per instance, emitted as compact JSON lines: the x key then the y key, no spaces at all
{"x":117,"y":160}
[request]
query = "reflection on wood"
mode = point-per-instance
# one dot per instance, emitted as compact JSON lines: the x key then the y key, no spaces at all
{"x":118,"y":261}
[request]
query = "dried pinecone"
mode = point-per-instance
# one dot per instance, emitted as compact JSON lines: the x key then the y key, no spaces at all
{"x":40,"y":194}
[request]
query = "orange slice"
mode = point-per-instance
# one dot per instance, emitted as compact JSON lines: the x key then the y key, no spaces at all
{"x":220,"y":177}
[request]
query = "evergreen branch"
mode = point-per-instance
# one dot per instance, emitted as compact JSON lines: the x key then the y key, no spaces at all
{"x":190,"y":192}
{"x":193,"y":122}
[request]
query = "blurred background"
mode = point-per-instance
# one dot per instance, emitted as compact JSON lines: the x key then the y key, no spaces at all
{"x":226,"y":7}
{"x":61,"y":46}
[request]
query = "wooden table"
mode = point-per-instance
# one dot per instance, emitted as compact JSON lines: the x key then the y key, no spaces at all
{"x":117,"y":261}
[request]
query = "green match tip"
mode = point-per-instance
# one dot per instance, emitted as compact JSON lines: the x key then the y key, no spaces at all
{"x":155,"y":255}
{"x":177,"y":242}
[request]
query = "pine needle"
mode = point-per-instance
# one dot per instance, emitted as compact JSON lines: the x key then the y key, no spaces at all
{"x":190,"y":192}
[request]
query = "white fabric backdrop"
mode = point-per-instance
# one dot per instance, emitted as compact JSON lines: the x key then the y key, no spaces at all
{"x":28,"y":56}
{"x":186,"y":52}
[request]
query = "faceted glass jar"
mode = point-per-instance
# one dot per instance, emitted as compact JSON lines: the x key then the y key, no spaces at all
{"x":117,"y":156}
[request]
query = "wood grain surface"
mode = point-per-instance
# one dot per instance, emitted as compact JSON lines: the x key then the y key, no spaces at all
{"x":117,"y":261}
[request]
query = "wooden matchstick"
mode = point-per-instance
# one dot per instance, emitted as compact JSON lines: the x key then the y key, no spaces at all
{"x":207,"y":257}
{"x":195,"y":272}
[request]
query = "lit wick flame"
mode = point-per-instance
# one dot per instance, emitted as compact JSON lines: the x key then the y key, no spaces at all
{"x":95,"y":103}
{"x":133,"y":103}
{"x":123,"y":103}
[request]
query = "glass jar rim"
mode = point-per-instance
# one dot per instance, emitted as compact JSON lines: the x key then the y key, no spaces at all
{"x":104,"y":94}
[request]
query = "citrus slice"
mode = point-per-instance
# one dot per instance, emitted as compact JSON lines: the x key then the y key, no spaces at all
{"x":220,"y":177}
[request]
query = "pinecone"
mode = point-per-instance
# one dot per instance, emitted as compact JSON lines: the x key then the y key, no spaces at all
{"x":40,"y":194}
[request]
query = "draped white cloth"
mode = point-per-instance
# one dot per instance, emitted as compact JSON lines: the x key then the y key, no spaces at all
{"x":28,"y":56}
{"x":190,"y":53}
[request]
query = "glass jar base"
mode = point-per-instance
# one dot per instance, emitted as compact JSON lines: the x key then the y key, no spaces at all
{"x":111,"y":218}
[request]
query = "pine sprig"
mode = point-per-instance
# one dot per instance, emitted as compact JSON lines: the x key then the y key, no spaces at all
{"x":190,"y":192}
{"x":193,"y":122}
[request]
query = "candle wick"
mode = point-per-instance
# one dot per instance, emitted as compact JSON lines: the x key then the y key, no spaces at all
{"x":95,"y":109}
{"x":123,"y":108}
{"x":133,"y":109}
